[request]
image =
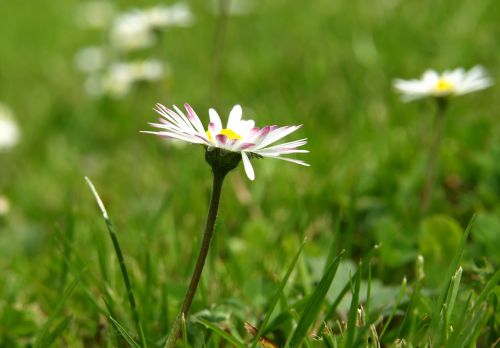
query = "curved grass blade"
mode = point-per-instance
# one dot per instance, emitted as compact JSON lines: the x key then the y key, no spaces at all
{"x":278,"y":294}
{"x":313,"y":306}
{"x":121,"y":260}
{"x":220,"y":332}
{"x":365,"y":261}
{"x":124,"y":333}
{"x":494,"y":280}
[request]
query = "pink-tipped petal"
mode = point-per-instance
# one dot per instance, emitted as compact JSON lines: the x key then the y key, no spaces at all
{"x":220,"y":140}
{"x":215,"y":119}
{"x":277,"y":134}
{"x":213,"y":129}
{"x":193,"y":118}
{"x":183,"y":117}
{"x":260,"y":135}
{"x":244,"y":146}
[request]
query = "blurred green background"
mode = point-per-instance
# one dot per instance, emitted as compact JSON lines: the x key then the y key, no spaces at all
{"x":328,"y":65}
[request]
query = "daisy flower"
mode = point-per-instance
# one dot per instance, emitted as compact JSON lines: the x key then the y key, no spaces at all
{"x":448,"y":83}
{"x":238,"y":136}
{"x":162,"y":16}
{"x":132,"y":31}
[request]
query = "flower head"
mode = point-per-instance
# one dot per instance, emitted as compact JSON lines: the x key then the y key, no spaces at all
{"x":119,"y":79}
{"x":162,"y":16}
{"x":132,"y":31}
{"x":238,"y":136}
{"x":135,"y":29}
{"x":448,"y":83}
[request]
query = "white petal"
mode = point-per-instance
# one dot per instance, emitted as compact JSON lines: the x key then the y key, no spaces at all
{"x":215,"y":119}
{"x":302,"y":163}
{"x":244,"y":127}
{"x":248,"y":166}
{"x":173,"y":117}
{"x":277,"y":134}
{"x":182,"y":116}
{"x":290,"y":145}
{"x":279,"y":151}
{"x":234,"y":117}
{"x":194,"y":119}
{"x":186,"y":137}
{"x":430,"y":76}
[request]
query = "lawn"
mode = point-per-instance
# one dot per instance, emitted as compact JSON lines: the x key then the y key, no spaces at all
{"x":338,"y":254}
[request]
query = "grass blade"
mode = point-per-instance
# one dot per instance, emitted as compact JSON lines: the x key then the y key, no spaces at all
{"x":452,"y":296}
{"x":58,"y":330}
{"x":42,"y":336}
{"x":214,"y":328}
{"x":278,"y":294}
{"x":453,"y":267}
{"x":394,"y":308}
{"x":184,"y":330}
{"x":457,"y":327}
{"x":353,"y":312}
{"x":124,"y":333}
{"x":313,"y":306}
{"x":121,"y":260}
{"x":365,"y":261}
{"x":332,"y":250}
{"x":494,"y":280}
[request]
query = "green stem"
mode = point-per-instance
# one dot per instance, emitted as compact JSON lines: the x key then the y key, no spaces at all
{"x":432,"y":166}
{"x":218,"y":179}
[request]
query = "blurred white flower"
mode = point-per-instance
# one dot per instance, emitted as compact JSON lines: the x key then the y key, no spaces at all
{"x":95,"y":14}
{"x":147,"y":70}
{"x":90,"y":59}
{"x":175,"y":15}
{"x":448,"y":83}
{"x":239,"y":136}
{"x":119,"y":79}
{"x":4,"y":205}
{"x":9,"y":131}
{"x":134,"y":29}
{"x":131,"y":31}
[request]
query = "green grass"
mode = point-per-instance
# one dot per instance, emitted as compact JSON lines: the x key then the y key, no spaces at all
{"x":327,"y":65}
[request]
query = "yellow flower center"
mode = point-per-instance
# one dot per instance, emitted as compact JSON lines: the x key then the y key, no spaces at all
{"x":232,"y":135}
{"x":444,"y":86}
{"x":229,"y":133}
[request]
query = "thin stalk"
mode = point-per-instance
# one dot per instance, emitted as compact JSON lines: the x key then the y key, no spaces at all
{"x":218,"y":179}
{"x":432,"y":166}
{"x":121,"y":261}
